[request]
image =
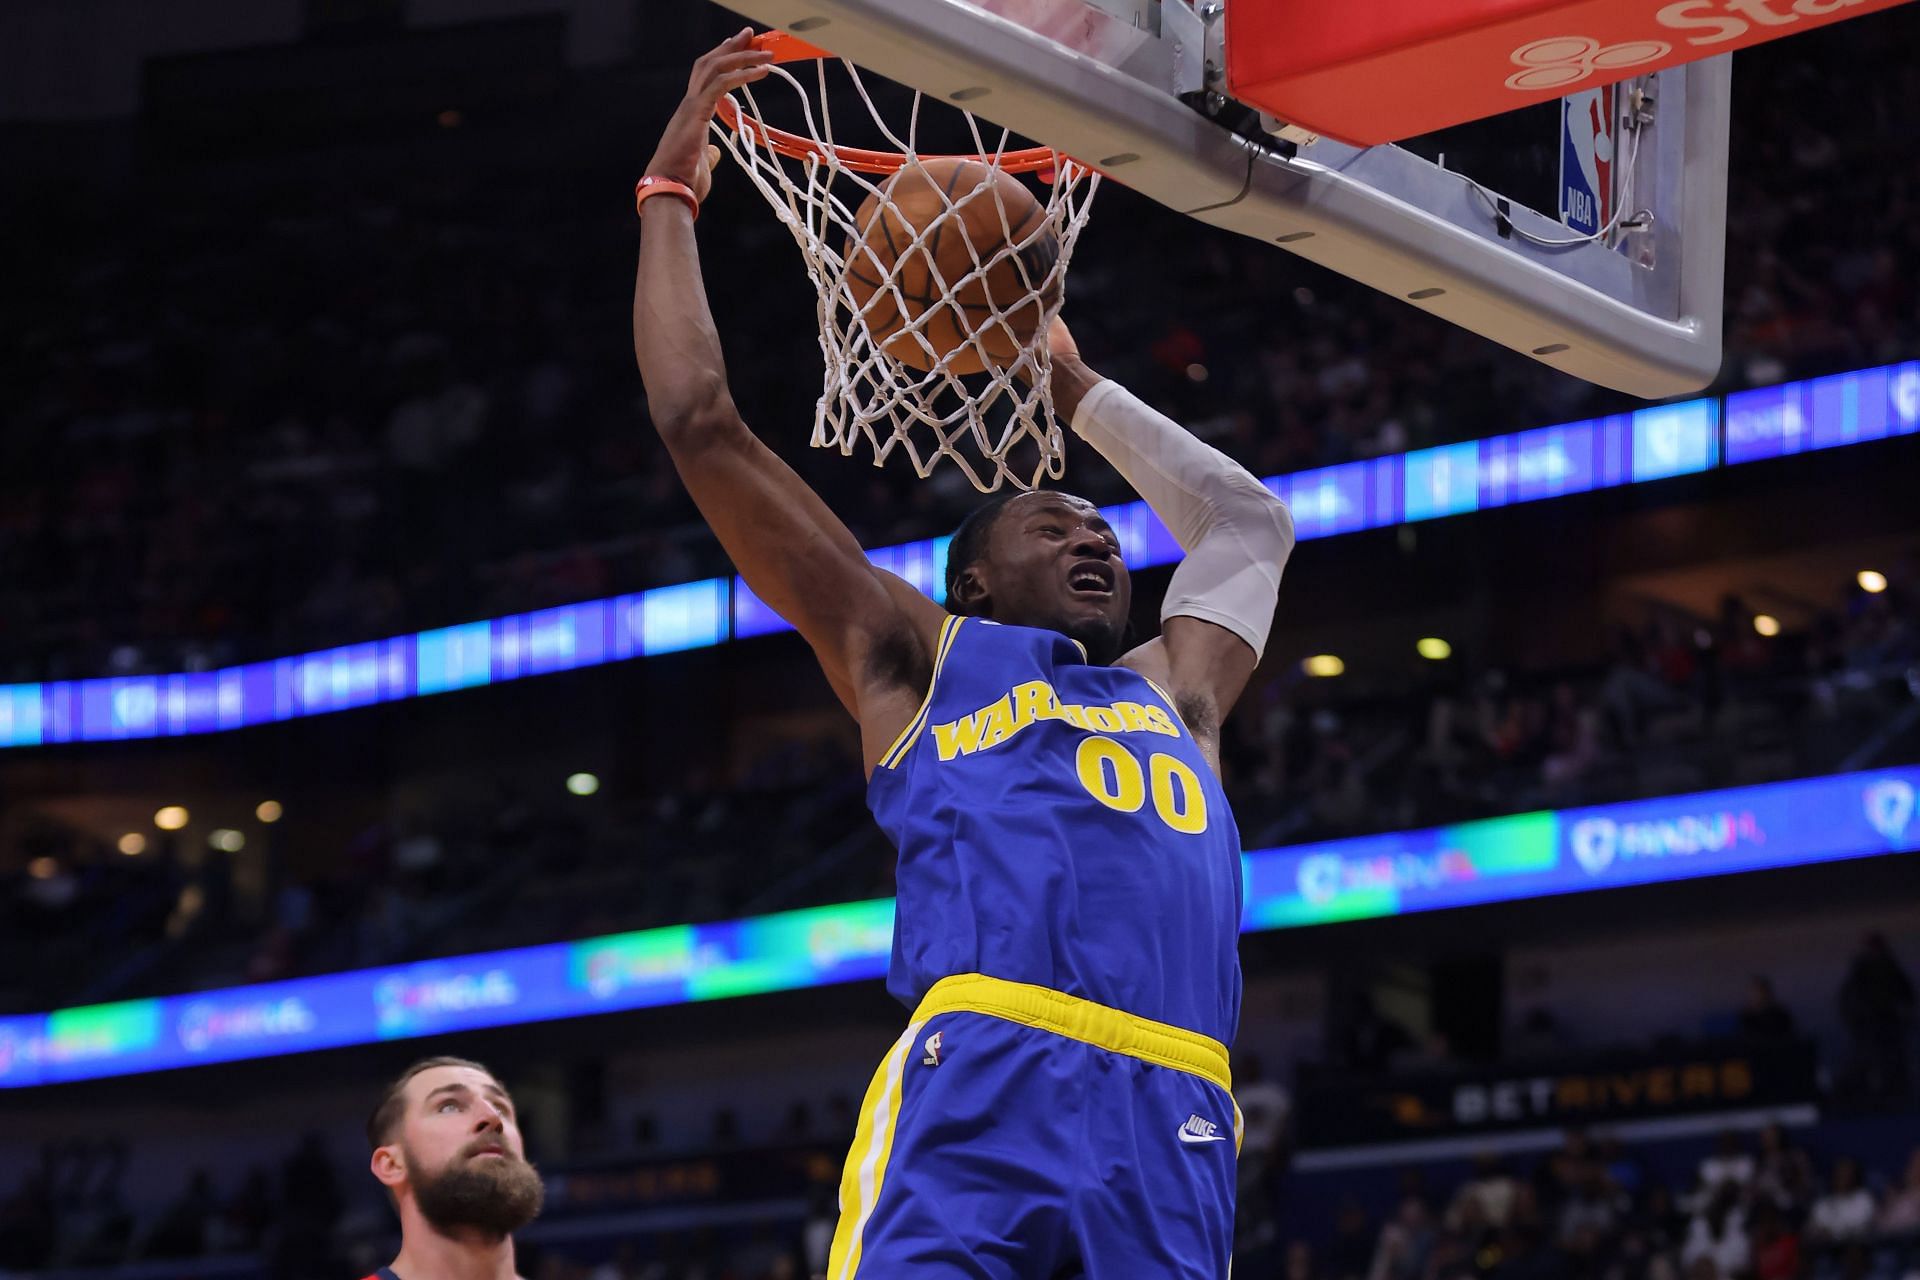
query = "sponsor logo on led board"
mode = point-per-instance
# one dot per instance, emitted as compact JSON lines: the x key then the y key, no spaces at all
{"x":405,"y":1002}
{"x":205,"y":1024}
{"x":1597,"y":842}
{"x":1492,"y":860}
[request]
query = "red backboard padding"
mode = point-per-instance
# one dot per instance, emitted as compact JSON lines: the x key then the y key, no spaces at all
{"x":1372,"y":71}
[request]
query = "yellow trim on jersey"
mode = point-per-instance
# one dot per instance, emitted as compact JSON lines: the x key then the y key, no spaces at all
{"x":893,"y":755}
{"x":1171,"y":704}
{"x":863,"y":1178}
{"x":1083,"y":1020}
{"x":866,"y":1166}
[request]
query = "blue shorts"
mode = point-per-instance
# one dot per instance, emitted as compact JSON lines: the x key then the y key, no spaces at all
{"x":1017,"y":1133}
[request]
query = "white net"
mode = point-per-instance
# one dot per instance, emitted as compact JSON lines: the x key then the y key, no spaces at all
{"x":975,"y":317}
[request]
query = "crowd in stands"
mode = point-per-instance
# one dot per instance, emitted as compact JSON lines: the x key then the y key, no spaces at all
{"x":70,"y":1210}
{"x":242,"y":422}
{"x":1752,"y":1209}
{"x":1684,"y":704}
{"x":81,"y":922}
{"x":1681,"y":703}
{"x":1771,"y":1204}
{"x":1755,"y":1208}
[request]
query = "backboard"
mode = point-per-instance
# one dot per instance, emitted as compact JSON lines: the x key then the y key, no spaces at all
{"x":1139,"y":90}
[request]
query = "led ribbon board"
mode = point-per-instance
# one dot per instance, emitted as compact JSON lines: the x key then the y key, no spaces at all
{"x":1479,"y":475}
{"x":1528,"y":855}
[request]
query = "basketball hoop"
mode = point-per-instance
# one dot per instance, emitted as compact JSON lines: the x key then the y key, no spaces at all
{"x":991,"y":415}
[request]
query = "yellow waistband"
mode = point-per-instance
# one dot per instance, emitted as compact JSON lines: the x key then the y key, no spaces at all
{"x":1082,"y":1020}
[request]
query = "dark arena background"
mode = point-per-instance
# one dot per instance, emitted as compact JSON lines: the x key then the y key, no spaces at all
{"x":369,"y":688}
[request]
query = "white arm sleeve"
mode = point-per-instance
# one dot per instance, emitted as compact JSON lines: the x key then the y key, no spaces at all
{"x":1236,"y":534}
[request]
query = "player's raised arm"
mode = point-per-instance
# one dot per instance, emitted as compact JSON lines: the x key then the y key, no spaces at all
{"x":872,"y":632}
{"x":1236,"y":535}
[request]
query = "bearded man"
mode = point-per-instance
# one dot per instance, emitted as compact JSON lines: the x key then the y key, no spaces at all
{"x":447,"y":1147}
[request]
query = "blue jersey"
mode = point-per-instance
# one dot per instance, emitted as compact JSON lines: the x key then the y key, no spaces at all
{"x":1057,"y":825}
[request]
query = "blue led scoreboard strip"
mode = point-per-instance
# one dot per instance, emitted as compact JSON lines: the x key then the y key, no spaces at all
{"x":1479,"y":475}
{"x":1527,"y":855}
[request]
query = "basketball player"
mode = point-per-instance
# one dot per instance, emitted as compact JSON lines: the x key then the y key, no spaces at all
{"x":447,"y":1148}
{"x":1069,"y":876}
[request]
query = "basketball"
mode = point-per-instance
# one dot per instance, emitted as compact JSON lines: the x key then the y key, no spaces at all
{"x":975,"y":253}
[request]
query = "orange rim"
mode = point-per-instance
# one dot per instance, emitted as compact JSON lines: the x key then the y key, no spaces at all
{"x":786,"y":48}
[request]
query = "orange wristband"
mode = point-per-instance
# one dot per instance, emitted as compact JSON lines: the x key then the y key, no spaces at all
{"x":647,"y":188}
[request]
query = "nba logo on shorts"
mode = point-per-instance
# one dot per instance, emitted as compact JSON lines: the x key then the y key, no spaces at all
{"x":933,"y":1050}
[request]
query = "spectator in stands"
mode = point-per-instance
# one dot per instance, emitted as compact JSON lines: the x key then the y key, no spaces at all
{"x":1661,"y":1267}
{"x":1782,"y":1174}
{"x":101,"y":1232}
{"x":182,"y":1229}
{"x":1522,"y":1253}
{"x":840,"y":1120}
{"x":308,"y":1183}
{"x":1589,"y":1210}
{"x":1730,"y":1164}
{"x":755,"y":1252}
{"x":242,"y":1223}
{"x":1561,"y":1176}
{"x":1764,"y":1018}
{"x":1877,"y":1006}
{"x":1620,"y":1165}
{"x":1487,"y":1199}
{"x":1636,"y":688}
{"x":1406,"y":1240}
{"x":1264,"y":1107}
{"x":798,"y":1126}
{"x":1775,"y":1245}
{"x":1718,"y":1235}
{"x":1845,"y":1213}
{"x":1351,"y":1252}
{"x":823,"y":1215}
{"x":1900,"y":1214}
{"x":1572,"y":738}
{"x":1662,"y":1221}
{"x":27,"y":1225}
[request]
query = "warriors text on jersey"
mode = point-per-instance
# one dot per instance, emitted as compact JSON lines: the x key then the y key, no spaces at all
{"x":1057,"y":825}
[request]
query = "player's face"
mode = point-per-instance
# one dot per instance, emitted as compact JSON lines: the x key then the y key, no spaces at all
{"x":1054,"y":563}
{"x":465,"y":1159}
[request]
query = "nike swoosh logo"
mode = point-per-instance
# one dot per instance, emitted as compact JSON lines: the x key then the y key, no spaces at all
{"x":1194,"y":1137}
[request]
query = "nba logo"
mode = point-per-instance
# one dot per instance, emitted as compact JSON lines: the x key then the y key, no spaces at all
{"x":1586,"y":160}
{"x":933,"y":1050}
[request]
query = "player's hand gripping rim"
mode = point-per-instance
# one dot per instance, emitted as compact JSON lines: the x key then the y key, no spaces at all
{"x":684,"y":154}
